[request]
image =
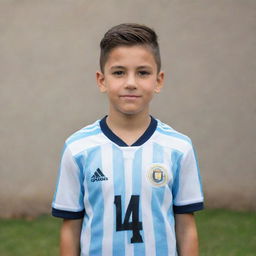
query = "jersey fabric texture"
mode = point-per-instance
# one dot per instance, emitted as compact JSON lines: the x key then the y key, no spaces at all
{"x":127,"y":195}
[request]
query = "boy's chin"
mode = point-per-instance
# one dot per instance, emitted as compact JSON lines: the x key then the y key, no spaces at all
{"x":131,"y":113}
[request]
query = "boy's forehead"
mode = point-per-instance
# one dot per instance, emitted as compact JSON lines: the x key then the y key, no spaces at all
{"x":124,"y":55}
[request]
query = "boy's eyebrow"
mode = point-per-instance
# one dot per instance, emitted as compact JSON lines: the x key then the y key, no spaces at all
{"x":139,"y":67}
{"x":116,"y":67}
{"x":144,"y":66}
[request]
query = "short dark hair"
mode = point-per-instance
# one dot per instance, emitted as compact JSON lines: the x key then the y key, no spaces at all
{"x":129,"y":34}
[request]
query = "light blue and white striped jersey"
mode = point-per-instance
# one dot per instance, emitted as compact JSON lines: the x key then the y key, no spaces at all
{"x":127,"y":195}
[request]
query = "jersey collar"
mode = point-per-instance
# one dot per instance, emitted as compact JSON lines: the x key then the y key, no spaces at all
{"x":141,"y":140}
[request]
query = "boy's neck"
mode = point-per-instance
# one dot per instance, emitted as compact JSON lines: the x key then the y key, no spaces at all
{"x":128,"y":122}
{"x":128,"y":127}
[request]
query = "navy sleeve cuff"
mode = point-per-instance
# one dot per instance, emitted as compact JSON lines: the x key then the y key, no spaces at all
{"x":67,"y":214}
{"x":188,"y":208}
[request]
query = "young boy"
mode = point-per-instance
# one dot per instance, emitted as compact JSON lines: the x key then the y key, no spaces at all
{"x":128,"y":184}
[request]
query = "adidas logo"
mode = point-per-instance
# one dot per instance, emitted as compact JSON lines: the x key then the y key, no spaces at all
{"x":98,"y":176}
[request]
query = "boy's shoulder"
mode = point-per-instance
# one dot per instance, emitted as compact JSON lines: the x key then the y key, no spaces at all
{"x":169,"y":136}
{"x":87,"y":135}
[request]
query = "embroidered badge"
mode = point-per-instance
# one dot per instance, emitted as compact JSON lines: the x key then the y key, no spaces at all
{"x":158,"y":175}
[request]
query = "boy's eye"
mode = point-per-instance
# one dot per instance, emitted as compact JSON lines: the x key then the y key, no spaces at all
{"x":144,"y":73}
{"x":118,"y":73}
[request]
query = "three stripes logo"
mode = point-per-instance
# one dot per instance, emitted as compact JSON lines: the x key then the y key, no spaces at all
{"x":98,"y":176}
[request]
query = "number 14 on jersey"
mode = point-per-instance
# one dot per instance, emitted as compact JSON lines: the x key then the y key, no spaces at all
{"x":132,"y":211}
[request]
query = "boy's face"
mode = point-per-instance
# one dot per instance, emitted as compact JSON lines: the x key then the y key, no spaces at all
{"x":130,"y":79}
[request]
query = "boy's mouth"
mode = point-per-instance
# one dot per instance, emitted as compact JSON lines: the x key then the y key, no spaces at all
{"x":130,"y":96}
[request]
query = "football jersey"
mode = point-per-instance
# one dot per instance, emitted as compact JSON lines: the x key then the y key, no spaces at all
{"x":127,"y":195}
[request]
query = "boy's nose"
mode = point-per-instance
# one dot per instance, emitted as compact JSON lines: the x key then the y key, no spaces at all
{"x":131,"y":82}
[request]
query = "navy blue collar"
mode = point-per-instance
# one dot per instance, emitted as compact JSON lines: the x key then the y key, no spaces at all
{"x":113,"y":137}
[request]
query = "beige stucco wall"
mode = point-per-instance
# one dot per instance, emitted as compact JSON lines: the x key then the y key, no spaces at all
{"x":48,"y":58}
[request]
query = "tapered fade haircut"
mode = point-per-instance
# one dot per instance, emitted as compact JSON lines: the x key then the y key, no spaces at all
{"x":129,"y":34}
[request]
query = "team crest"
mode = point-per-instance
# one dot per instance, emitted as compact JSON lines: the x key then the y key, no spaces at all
{"x":158,"y":175}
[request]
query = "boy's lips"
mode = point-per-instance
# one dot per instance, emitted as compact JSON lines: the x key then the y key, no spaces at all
{"x":130,"y":96}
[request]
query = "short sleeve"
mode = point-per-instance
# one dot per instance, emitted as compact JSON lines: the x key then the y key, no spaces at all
{"x":68,"y":198}
{"x":187,"y":195}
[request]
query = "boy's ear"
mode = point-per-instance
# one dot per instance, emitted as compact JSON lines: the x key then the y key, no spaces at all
{"x":100,"y":78}
{"x":159,"y":82}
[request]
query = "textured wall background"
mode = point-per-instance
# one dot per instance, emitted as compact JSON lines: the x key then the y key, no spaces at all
{"x":48,"y":58}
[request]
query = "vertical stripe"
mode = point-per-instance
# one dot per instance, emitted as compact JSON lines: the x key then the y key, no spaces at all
{"x":86,"y":228}
{"x":146,"y":195}
{"x":97,"y":202}
{"x":156,"y":205}
{"x":167,"y":206}
{"x":119,"y":186}
{"x":176,"y":158}
{"x":128,"y":159}
{"x":108,"y":194}
{"x":80,"y":161}
{"x":169,"y":220}
{"x":139,"y":248}
{"x":83,"y":200}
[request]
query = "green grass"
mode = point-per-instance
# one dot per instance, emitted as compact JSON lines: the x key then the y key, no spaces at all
{"x":221,"y":233}
{"x":226,"y":233}
{"x":37,"y":237}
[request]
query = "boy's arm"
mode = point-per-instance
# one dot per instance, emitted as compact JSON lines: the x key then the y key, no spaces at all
{"x":70,"y":237}
{"x":186,"y":234}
